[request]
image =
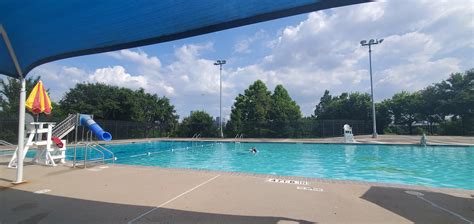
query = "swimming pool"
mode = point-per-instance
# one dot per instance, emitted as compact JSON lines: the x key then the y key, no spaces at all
{"x":436,"y":166}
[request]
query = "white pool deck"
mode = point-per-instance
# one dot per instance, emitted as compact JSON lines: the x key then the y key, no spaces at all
{"x":134,"y":194}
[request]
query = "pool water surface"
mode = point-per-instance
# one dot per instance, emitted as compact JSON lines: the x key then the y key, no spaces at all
{"x":435,"y":166}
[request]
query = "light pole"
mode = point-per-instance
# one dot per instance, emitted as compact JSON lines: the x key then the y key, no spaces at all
{"x":220,"y":63}
{"x":370,"y":43}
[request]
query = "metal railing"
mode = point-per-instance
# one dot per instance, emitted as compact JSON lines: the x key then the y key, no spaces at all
{"x":196,"y":136}
{"x":238,"y":137}
{"x":5,"y":143}
{"x":9,"y":150}
{"x":64,"y":127}
{"x":87,"y":148}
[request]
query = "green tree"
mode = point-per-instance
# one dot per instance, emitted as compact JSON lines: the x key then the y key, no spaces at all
{"x":383,"y":115}
{"x":250,"y":112}
{"x":457,"y":98}
{"x":155,"y":111}
{"x":257,"y":106}
{"x":430,"y":106}
{"x":236,"y":123}
{"x":198,"y":122}
{"x":353,"y":106}
{"x":114,"y":103}
{"x":103,"y":101}
{"x":284,"y":113}
{"x":10,"y":94}
{"x":404,"y":108}
{"x":321,"y":111}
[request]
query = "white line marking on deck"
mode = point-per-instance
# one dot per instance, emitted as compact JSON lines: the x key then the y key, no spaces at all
{"x":310,"y":188}
{"x":281,"y":181}
{"x":165,"y":203}
{"x":420,"y":196}
{"x":42,"y":191}
{"x":94,"y":169}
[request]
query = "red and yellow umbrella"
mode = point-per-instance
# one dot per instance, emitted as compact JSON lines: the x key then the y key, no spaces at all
{"x":38,"y":101}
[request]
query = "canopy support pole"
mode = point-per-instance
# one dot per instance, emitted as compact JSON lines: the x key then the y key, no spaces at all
{"x":21,"y":118}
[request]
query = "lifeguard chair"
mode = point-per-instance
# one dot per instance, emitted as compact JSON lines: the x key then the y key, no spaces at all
{"x":348,"y":136}
{"x":46,"y":138}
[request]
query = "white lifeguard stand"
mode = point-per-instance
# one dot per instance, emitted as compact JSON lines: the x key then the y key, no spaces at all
{"x":47,"y":152}
{"x":348,"y":136}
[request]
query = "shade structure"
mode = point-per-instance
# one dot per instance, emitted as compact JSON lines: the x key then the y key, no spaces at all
{"x":47,"y":30}
{"x":38,"y":101}
{"x":35,"y":32}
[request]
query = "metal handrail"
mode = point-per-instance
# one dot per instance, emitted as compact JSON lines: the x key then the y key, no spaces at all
{"x":107,"y":150}
{"x":10,"y":146}
{"x":75,"y":152}
{"x":96,"y":147}
{"x":65,"y":125}
{"x":2,"y":142}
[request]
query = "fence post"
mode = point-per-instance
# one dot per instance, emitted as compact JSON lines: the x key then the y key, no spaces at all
{"x":116,"y":133}
{"x":333,"y":124}
{"x":322,"y":129}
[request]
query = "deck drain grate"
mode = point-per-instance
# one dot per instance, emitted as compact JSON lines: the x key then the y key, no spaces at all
{"x":282,"y":181}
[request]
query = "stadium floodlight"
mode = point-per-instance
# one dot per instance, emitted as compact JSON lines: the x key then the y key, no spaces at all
{"x":370,"y":43}
{"x":220,"y":63}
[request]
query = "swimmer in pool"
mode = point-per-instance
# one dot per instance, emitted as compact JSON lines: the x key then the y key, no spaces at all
{"x":253,"y":150}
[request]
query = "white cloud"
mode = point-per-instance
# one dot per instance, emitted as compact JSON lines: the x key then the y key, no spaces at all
{"x":117,"y":76}
{"x":139,"y":57}
{"x":243,"y":46}
{"x":424,"y":42}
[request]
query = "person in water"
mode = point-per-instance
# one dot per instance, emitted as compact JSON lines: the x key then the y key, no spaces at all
{"x":253,"y":150}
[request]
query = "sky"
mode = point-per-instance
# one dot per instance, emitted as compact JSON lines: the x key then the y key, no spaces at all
{"x":424,"y":41}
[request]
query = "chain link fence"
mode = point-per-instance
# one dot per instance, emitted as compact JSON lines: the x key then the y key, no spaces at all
{"x":136,"y":130}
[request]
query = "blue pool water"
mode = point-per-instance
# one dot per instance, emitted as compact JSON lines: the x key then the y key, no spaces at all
{"x":429,"y":166}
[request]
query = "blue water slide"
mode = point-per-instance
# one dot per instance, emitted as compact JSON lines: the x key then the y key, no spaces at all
{"x":87,"y":121}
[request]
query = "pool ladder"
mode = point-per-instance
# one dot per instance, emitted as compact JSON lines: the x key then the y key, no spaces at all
{"x":238,"y":137}
{"x":88,"y":148}
{"x":9,"y":147}
{"x":196,"y":136}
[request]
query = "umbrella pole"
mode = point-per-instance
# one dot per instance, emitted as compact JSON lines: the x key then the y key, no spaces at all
{"x":21,"y":134}
{"x":36,"y":128}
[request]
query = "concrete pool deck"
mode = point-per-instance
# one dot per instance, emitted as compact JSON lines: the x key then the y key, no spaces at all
{"x":133,"y":194}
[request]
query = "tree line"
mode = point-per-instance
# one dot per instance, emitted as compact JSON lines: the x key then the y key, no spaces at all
{"x":445,"y":108}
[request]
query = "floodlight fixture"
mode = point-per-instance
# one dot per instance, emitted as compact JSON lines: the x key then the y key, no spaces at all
{"x":220,"y":63}
{"x":370,"y":43}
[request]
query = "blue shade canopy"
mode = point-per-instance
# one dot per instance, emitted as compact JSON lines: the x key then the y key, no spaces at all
{"x":48,"y":30}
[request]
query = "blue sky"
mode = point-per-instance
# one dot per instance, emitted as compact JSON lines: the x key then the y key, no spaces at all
{"x":424,"y":42}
